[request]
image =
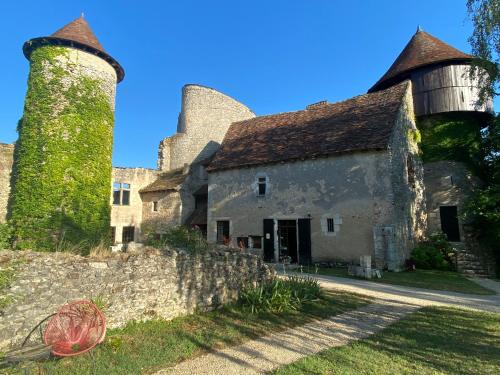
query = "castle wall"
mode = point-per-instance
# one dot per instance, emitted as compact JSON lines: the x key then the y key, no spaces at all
{"x":130,"y":215}
{"x":6,"y":161}
{"x":169,"y":211}
{"x":205,"y":117}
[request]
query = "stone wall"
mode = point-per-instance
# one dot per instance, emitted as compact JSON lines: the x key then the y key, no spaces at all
{"x":352,"y":189}
{"x":203,"y":122}
{"x":6,"y":161}
{"x":130,"y":215}
{"x":132,"y":287}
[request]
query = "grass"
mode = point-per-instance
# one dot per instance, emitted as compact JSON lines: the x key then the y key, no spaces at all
{"x":143,"y":347}
{"x":427,"y":279}
{"x":434,"y":340}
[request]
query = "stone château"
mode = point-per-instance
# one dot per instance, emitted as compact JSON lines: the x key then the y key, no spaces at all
{"x":329,"y":182}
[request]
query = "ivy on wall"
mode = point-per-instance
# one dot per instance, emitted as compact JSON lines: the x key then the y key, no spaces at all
{"x":62,"y":168}
{"x":452,"y":137}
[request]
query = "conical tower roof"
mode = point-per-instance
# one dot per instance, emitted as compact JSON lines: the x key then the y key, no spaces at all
{"x":423,"y":49}
{"x":76,"y":34}
{"x":79,"y":31}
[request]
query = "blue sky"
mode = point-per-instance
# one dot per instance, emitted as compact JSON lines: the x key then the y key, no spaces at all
{"x":273,"y":56}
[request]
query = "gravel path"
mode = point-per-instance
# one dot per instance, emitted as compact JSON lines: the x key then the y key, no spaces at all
{"x":416,"y":296}
{"x":391,"y":303}
{"x":270,"y":352}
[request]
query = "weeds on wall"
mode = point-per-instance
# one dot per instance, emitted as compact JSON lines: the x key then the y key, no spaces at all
{"x":62,"y":164}
{"x":278,"y":295}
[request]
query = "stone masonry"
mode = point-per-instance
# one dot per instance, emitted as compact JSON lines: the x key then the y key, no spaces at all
{"x":131,"y":286}
{"x":6,"y":161}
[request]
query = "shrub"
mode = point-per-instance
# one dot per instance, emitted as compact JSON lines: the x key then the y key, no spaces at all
{"x":278,"y":295}
{"x":181,"y":237}
{"x":435,"y":253}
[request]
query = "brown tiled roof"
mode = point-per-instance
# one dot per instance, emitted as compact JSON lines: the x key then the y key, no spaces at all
{"x":423,"y":49}
{"x":167,"y":181}
{"x":76,"y":34}
{"x":359,"y":124}
{"x":79,"y":31}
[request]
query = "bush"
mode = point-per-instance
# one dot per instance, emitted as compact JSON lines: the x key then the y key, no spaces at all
{"x":278,"y":295}
{"x":435,"y":253}
{"x":181,"y":237}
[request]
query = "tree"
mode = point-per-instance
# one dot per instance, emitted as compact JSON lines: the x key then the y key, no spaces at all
{"x":485,"y":43}
{"x":483,"y":208}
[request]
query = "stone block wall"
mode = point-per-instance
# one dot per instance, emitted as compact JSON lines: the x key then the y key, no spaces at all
{"x":6,"y":161}
{"x":205,"y":116}
{"x":130,"y":215}
{"x":132,"y":287}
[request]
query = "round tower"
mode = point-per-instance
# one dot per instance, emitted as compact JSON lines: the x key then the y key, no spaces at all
{"x":449,"y":120}
{"x":62,"y":167}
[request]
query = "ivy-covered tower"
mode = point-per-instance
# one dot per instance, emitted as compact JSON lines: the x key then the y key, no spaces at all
{"x":445,"y":99}
{"x":62,"y":162}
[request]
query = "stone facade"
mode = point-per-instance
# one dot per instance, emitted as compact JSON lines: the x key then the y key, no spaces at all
{"x":130,"y":215}
{"x":132,"y":287}
{"x":359,"y":192}
{"x":204,"y":119}
{"x":6,"y":162}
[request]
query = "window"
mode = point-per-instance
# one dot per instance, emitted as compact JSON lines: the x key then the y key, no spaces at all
{"x":128,"y":234}
{"x":256,"y":242}
{"x":330,"y":225}
{"x":121,"y":194}
{"x":242,"y":242}
{"x":223,"y":232}
{"x":155,"y":206}
{"x":113,"y":235}
{"x":262,"y":186}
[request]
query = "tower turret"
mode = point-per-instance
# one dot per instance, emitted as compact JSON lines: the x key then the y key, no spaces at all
{"x":62,"y":163}
{"x":449,"y":119}
{"x":439,"y":75}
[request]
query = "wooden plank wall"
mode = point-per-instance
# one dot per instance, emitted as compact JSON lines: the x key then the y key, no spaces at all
{"x":445,"y":89}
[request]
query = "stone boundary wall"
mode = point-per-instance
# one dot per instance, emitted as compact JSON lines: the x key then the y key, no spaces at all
{"x":131,"y":286}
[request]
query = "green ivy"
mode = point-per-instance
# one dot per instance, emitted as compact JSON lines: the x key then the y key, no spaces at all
{"x":452,"y":137}
{"x":62,"y":168}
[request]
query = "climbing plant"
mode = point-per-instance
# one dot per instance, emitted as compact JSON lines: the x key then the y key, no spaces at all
{"x":452,"y":137}
{"x":62,"y":168}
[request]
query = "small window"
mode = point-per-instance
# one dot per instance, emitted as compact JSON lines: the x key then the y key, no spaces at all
{"x":256,"y":242}
{"x":330,"y":225}
{"x":121,"y":194}
{"x":223,"y":232}
{"x":128,"y":234}
{"x":155,"y":206}
{"x":262,"y":186}
{"x":242,"y":242}
{"x":113,"y":235}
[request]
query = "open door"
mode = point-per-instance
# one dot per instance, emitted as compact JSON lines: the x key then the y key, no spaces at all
{"x":449,"y":222}
{"x":304,"y":241}
{"x":268,"y":240}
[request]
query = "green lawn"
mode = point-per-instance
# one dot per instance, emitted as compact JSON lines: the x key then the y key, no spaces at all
{"x":434,"y":340}
{"x":148,"y":346}
{"x":438,"y":280}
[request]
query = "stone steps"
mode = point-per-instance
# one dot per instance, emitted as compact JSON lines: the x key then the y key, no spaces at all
{"x":470,"y":264}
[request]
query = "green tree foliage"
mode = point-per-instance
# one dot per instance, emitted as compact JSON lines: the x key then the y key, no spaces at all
{"x":485,"y":43}
{"x":483,"y":209}
{"x":62,"y":169}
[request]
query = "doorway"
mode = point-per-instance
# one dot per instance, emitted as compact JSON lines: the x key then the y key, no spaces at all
{"x":287,"y":239}
{"x":449,"y":222}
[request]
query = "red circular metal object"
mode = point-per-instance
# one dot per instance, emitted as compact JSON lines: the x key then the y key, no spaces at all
{"x":76,"y":328}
